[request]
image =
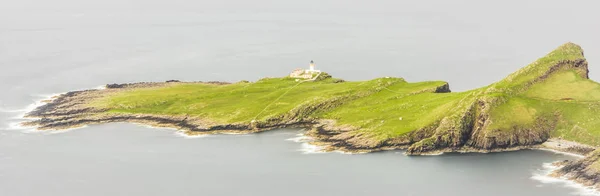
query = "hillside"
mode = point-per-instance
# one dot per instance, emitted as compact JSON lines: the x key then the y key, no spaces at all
{"x":552,"y":97}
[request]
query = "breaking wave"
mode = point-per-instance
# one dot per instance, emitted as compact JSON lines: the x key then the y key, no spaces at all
{"x":306,"y":147}
{"x":543,"y":175}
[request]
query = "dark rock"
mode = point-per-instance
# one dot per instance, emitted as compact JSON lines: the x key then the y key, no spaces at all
{"x":116,"y":85}
{"x":443,"y":89}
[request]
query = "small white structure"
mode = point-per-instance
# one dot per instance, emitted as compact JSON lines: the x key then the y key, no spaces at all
{"x":306,"y":74}
{"x":312,"y":69}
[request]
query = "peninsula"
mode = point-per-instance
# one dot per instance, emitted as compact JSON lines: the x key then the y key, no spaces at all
{"x":550,"y":103}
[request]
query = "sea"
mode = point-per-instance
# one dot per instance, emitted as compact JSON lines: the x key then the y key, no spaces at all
{"x":52,"y":47}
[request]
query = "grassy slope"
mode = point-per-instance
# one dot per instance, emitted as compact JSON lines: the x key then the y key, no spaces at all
{"x":395,"y":111}
{"x":241,"y":102}
{"x":387,"y":108}
{"x":516,"y":82}
{"x":566,"y":96}
{"x":575,"y":100}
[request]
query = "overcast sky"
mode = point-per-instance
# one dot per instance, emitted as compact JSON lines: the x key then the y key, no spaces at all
{"x":65,"y":44}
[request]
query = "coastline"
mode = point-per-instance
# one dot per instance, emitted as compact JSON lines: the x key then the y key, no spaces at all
{"x":566,"y":147}
{"x":21,"y":116}
{"x":559,"y":152}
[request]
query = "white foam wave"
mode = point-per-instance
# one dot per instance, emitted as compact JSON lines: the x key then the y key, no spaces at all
{"x":305,"y":146}
{"x":152,"y":127}
{"x":345,"y":152}
{"x":311,"y":149}
{"x":52,"y":132}
{"x":560,"y":152}
{"x":177,"y":132}
{"x":42,"y":100}
{"x":20,"y":116}
{"x":32,"y":130}
{"x":543,"y":175}
{"x":183,"y":134}
{"x":186,"y":136}
{"x":300,"y":138}
{"x":233,"y":133}
{"x":27,"y":108}
{"x":16,"y":126}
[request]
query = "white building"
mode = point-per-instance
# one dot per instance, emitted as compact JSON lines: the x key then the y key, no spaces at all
{"x":311,"y":68}
{"x":306,"y":74}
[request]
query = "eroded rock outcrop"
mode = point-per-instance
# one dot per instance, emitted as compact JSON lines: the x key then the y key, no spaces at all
{"x":585,"y":171}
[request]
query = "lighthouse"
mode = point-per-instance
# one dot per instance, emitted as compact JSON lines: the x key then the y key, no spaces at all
{"x":306,"y":73}
{"x":311,"y":68}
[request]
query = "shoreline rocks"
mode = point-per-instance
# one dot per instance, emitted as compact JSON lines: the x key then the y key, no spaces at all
{"x":585,"y":171}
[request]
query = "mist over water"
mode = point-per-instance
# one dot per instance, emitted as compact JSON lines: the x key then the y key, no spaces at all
{"x":48,"y":47}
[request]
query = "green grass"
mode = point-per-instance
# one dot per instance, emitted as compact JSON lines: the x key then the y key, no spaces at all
{"x":566,"y":85}
{"x":240,"y":102}
{"x":389,"y":114}
{"x":517,"y":111}
{"x":579,"y":122}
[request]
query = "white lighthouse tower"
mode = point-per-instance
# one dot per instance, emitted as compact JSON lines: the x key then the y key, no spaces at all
{"x":311,"y":68}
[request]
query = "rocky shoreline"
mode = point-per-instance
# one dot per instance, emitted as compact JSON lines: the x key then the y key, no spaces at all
{"x":585,"y":171}
{"x":565,"y":146}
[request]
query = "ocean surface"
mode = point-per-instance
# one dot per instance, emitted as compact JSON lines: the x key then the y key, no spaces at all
{"x":49,"y":47}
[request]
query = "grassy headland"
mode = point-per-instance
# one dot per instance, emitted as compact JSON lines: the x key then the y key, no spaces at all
{"x":551,"y":97}
{"x":550,"y":100}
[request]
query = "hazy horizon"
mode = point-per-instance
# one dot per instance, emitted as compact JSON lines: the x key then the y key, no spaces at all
{"x":469,"y":44}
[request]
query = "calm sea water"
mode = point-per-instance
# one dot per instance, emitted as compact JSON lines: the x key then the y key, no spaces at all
{"x":48,"y":47}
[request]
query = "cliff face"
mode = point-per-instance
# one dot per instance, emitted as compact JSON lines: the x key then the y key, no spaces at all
{"x":502,"y":116}
{"x":471,"y":130}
